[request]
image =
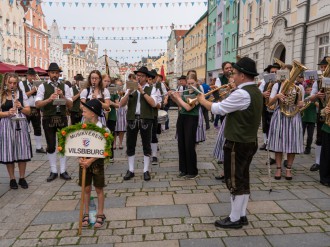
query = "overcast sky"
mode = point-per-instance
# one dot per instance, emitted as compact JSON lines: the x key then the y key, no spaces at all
{"x":127,"y":17}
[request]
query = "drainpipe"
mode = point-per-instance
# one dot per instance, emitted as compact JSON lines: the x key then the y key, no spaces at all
{"x":207,"y":41}
{"x":237,"y":38}
{"x":303,"y":48}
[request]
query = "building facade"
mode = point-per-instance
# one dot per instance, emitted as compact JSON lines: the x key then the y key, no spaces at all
{"x":219,"y":35}
{"x":12,"y":38}
{"x":74,"y":60}
{"x":212,"y":70}
{"x":55,"y":44}
{"x":37,"y":36}
{"x":91,"y":55}
{"x":195,"y":48}
{"x":286,"y":30}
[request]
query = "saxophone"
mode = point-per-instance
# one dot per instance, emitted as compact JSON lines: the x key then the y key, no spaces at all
{"x":292,"y":92}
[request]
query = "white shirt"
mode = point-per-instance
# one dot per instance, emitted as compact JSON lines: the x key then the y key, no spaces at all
{"x":217,"y":82}
{"x":83,"y":94}
{"x":41,"y":92}
{"x":71,"y":90}
{"x":31,"y":99}
{"x":262,"y":85}
{"x":275,"y":90}
{"x":238,"y":100}
{"x":315,"y":88}
{"x":153,"y":95}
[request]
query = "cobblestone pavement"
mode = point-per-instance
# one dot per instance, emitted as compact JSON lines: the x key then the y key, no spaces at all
{"x":167,"y":211}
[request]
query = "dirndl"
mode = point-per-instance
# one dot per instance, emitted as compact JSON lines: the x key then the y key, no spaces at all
{"x":121,"y":119}
{"x":286,"y":133}
{"x":200,"y":134}
{"x":218,"y":148}
{"x":15,"y":145}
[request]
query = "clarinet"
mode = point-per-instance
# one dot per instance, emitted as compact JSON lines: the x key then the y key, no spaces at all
{"x":93,"y":89}
{"x":18,"y":128}
{"x":58,"y":107}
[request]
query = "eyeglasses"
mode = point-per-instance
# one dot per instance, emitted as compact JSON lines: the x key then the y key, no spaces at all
{"x":140,"y":75}
{"x":95,"y":78}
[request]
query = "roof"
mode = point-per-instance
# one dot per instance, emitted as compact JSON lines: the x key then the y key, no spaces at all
{"x":179,"y":34}
{"x":83,"y":47}
{"x":198,"y":21}
{"x":67,"y":46}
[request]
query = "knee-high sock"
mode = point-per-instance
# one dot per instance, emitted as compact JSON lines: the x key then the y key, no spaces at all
{"x":52,"y":162}
{"x":244,"y":206}
{"x":37,"y":140}
{"x":146,"y":162}
{"x":62,"y":164}
{"x":317,"y":154}
{"x":154,"y":149}
{"x":265,"y":138}
{"x":131,"y":160}
{"x":236,"y":208}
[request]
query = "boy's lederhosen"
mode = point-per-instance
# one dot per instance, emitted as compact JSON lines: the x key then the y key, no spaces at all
{"x":53,"y":121}
{"x":34,"y":117}
{"x":75,"y":111}
{"x":241,"y":143}
{"x":95,"y":173}
{"x":136,"y":123}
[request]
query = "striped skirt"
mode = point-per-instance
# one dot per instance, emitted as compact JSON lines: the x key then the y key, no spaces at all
{"x":121,"y":119}
{"x":200,"y":134}
{"x":285,"y":133}
{"x":15,"y":145}
{"x":218,"y":148}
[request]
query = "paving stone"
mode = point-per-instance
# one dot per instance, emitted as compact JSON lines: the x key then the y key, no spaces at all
{"x":214,"y":242}
{"x":68,"y":240}
{"x":223,"y":196}
{"x":142,"y":230}
{"x":114,"y":202}
{"x":154,"y":237}
{"x":264,"y":207}
{"x":164,"y":243}
{"x":63,"y":205}
{"x":183,"y":183}
{"x":26,"y":235}
{"x":47,"y":242}
{"x":197,"y":210}
{"x":209,"y":182}
{"x":25,"y":242}
{"x":323,"y":204}
{"x":68,"y":233}
{"x":183,"y":228}
{"x":155,"y":184}
{"x":195,"y":198}
{"x":153,"y":222}
{"x":195,"y":235}
{"x":220,"y":209}
{"x":297,"y":206}
{"x":253,"y":241}
{"x":149,"y":200}
{"x":109,"y":239}
{"x":87,"y":241}
{"x":300,"y":240}
{"x":161,"y":229}
{"x":124,"y":185}
{"x":127,"y":213}
{"x":133,"y":238}
{"x":205,"y":165}
{"x":50,"y":234}
{"x":158,"y":212}
{"x":264,"y":195}
{"x":56,"y":217}
{"x":254,"y":232}
{"x":217,"y":234}
{"x":309,"y":193}
{"x":180,"y":235}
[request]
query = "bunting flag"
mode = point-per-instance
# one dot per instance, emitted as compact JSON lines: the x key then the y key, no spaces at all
{"x":121,"y":28}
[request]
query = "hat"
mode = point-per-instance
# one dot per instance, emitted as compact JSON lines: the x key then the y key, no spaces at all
{"x":183,"y":77}
{"x":276,"y":66}
{"x":94,"y":105}
{"x":153,"y":73}
{"x":79,"y":77}
{"x":323,"y":61}
{"x":31,"y":71}
{"x":247,"y":66}
{"x":54,"y":67}
{"x":267,"y":69}
{"x":143,"y":70}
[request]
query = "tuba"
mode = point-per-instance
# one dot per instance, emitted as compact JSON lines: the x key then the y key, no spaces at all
{"x":292,"y":92}
{"x":279,"y":62}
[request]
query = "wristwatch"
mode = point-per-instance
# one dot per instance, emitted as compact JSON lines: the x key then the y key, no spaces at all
{"x":144,"y":93}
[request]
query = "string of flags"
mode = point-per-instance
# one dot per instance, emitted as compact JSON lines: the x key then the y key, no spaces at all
{"x":130,"y":28}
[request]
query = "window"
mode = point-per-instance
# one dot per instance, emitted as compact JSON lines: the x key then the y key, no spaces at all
{"x":219,"y":49}
{"x":28,"y":39}
{"x":29,"y":61}
{"x":323,"y":46}
{"x":288,"y":4}
{"x":213,"y":51}
{"x":283,"y":5}
{"x":34,"y":42}
{"x":250,"y":17}
{"x":234,"y":41}
{"x":219,"y":20}
{"x":14,"y":28}
{"x":202,"y":36}
{"x":1,"y":23}
{"x":226,"y":45}
{"x":45,"y":45}
{"x":214,"y":26}
{"x":210,"y":53}
{"x":261,"y":12}
{"x":7,"y":25}
{"x":227,"y":14}
{"x":255,"y":58}
{"x":15,"y":54}
{"x":40,"y":44}
{"x":234,"y":9}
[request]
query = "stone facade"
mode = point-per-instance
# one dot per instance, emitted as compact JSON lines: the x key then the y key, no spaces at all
{"x":74,"y":60}
{"x":12,"y":38}
{"x":91,"y":55}
{"x":37,"y":36}
{"x":55,"y":44}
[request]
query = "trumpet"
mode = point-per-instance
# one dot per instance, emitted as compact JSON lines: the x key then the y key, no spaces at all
{"x":224,"y":92}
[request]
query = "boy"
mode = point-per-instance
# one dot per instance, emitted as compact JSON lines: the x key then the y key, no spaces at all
{"x":94,"y":167}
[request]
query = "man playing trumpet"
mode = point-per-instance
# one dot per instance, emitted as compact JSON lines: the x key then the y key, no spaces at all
{"x":243,"y":108}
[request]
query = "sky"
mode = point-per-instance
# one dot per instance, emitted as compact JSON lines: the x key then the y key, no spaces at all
{"x":98,"y":17}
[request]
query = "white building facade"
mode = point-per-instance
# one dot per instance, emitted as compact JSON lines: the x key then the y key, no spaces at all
{"x":55,"y":45}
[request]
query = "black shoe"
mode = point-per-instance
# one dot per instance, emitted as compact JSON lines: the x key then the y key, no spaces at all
{"x":220,"y":162}
{"x":219,"y":177}
{"x":22,"y":182}
{"x":146,"y":176}
{"x":272,"y":161}
{"x":52,"y":177}
{"x":325,"y":184}
{"x":13,"y":184}
{"x":41,"y":151}
{"x":307,"y":151}
{"x":182,"y":175}
{"x":129,"y":175}
{"x":65,"y":176}
{"x":154,"y":161}
{"x":226,"y":223}
{"x":244,"y":221}
{"x":263,"y":146}
{"x":285,"y":163}
{"x":315,"y":167}
{"x":192,"y":176}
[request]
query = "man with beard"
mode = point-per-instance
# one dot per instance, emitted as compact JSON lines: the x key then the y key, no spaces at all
{"x":54,"y":116}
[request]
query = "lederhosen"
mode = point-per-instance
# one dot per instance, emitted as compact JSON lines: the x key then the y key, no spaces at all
{"x":51,"y":120}
{"x":156,"y":128}
{"x":35,"y":116}
{"x":75,"y":112}
{"x":142,"y":123}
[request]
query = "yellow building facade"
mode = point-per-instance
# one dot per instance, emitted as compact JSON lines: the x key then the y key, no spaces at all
{"x":195,"y":42}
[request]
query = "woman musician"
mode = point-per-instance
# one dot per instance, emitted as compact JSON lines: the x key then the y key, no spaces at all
{"x":15,"y":143}
{"x":95,"y":90}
